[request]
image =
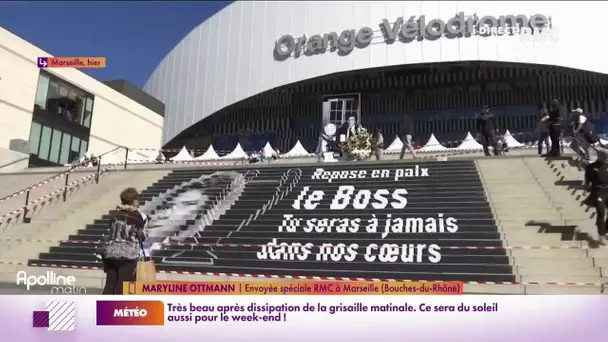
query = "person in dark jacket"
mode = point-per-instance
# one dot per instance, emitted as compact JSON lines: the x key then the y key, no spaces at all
{"x":348,"y":129}
{"x":122,"y":246}
{"x":557,"y":116}
{"x":543,"y":130}
{"x":486,"y":128}
{"x":596,"y":177}
{"x":378,"y":143}
{"x":407,"y":129}
{"x":583,"y":136}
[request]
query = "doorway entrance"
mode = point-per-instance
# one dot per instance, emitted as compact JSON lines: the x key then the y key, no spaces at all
{"x":338,"y":108}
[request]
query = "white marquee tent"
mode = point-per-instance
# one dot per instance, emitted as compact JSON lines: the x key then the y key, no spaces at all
{"x":183,"y":155}
{"x":395,"y":146}
{"x":510,"y":140}
{"x":469,"y":143}
{"x":433,"y":145}
{"x":297,"y":151}
{"x":210,"y":154}
{"x":268,"y":150}
{"x":237,"y":153}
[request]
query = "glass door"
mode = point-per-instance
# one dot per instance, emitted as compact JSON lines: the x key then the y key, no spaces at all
{"x":338,"y":110}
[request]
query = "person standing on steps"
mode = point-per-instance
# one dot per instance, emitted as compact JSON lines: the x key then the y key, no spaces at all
{"x":557,"y":116}
{"x":543,"y":130}
{"x":596,"y":177}
{"x":378,"y":143}
{"x":486,"y":129}
{"x":122,"y":246}
{"x":583,"y":136}
{"x":407,"y":129}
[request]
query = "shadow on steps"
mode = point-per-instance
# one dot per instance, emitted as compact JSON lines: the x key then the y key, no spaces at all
{"x":567,"y":232}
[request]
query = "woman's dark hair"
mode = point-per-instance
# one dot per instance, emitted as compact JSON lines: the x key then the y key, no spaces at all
{"x":129,"y":196}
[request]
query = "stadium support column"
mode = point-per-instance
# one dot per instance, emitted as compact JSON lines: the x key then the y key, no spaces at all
{"x":481,"y":71}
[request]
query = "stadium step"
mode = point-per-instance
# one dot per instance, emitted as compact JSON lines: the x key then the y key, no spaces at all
{"x":434,"y":208}
{"x":564,"y":257}
{"x":282,"y":225}
{"x":64,"y":219}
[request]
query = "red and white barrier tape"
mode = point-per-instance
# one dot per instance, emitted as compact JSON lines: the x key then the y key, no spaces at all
{"x":179,"y":244}
{"x":39,"y":184}
{"x":51,"y":194}
{"x":219,"y":162}
{"x":440,"y":144}
{"x":268,"y":276}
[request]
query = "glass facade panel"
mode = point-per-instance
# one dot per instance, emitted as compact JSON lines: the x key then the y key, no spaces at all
{"x":55,"y":146}
{"x":64,"y":156}
{"x":45,"y":143}
{"x":88,"y":112}
{"x":80,"y":103}
{"x":83,"y":147}
{"x":42,"y":92}
{"x":75,"y":145}
{"x":35,"y":137}
{"x":61,"y":98}
{"x":75,"y":149}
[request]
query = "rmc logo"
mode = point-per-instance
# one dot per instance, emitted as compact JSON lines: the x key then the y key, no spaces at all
{"x":60,"y":285}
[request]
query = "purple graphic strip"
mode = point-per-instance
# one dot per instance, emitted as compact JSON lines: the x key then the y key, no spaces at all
{"x":516,"y":318}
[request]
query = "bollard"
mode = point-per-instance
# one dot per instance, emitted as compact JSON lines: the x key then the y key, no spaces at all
{"x":65,"y":187}
{"x":98,"y":170}
{"x":27,"y":200}
{"x":126,"y":156}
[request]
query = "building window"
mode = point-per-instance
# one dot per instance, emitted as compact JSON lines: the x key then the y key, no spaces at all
{"x":55,"y":146}
{"x":35,"y":137}
{"x":83,"y":147}
{"x":45,"y":143}
{"x":43,"y":90}
{"x":88,"y":112}
{"x":63,"y":99}
{"x":64,"y":156}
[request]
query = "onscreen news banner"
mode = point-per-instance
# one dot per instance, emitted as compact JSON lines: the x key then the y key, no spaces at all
{"x":302,"y":311}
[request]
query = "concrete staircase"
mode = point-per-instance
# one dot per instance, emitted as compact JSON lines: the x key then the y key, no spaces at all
{"x":65,"y":219}
{"x":531,"y":210}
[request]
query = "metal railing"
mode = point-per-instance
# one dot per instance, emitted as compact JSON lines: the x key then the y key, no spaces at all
{"x":64,"y":190}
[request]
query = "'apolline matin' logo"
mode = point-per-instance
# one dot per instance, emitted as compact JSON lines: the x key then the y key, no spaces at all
{"x":59,"y":284}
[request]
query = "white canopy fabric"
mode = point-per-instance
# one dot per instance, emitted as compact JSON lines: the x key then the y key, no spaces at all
{"x":395,"y":146}
{"x":237,"y":153}
{"x":297,"y":151}
{"x":268,"y":150}
{"x":433,"y":145}
{"x":210,"y":154}
{"x":183,"y":155}
{"x":510,"y":140}
{"x":469,"y":143}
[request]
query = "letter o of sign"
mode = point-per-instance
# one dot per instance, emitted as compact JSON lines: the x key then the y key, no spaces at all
{"x":284,"y":46}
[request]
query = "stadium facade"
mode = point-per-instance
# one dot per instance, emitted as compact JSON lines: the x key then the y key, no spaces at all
{"x":52,"y":116}
{"x":259,"y":71}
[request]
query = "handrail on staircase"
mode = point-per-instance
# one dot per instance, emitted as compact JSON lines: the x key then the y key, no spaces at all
{"x":58,"y":175}
{"x":14,"y":162}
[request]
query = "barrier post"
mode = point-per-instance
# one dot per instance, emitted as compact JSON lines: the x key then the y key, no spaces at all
{"x":27,"y":200}
{"x":65,"y":187}
{"x":98,"y":170}
{"x":126,"y":156}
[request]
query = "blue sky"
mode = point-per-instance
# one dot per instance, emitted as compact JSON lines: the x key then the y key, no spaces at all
{"x":133,"y":36}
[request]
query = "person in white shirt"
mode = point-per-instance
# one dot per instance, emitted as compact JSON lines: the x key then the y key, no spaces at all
{"x":582,"y":135}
